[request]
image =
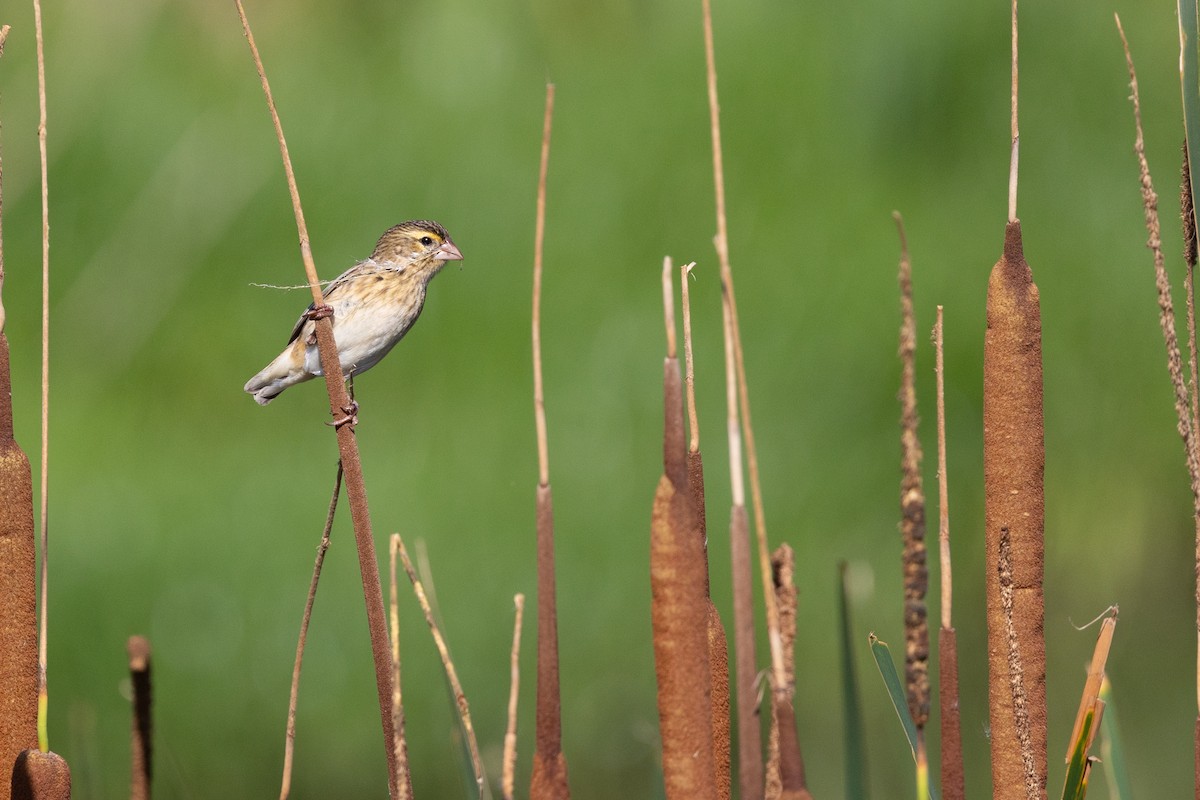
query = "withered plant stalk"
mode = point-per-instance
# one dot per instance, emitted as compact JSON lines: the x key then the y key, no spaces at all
{"x":785,"y":768}
{"x":460,"y":697}
{"x":1013,"y":467}
{"x":953,"y":777}
{"x":43,"y":694}
{"x":400,"y":744}
{"x":1184,"y":424}
{"x":678,"y":584}
{"x":509,"y":770}
{"x":718,"y":649}
{"x":340,"y":407}
{"x":18,"y":568}
{"x":549,"y":775}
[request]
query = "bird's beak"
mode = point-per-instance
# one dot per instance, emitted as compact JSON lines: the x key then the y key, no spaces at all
{"x":448,"y":252}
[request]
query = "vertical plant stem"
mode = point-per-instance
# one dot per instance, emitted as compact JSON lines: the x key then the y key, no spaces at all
{"x":508,"y":776}
{"x":289,"y":743}
{"x":750,"y":756}
{"x":141,"y":740}
{"x":953,"y":777}
{"x":400,"y":744}
{"x":460,"y":697}
{"x":339,"y":406}
{"x":549,"y":776}
{"x":1184,"y":423}
{"x":18,"y":570}
{"x":1016,"y":136}
{"x":43,"y":693}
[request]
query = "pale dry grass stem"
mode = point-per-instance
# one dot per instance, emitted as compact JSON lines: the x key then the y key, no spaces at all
{"x":508,"y":775}
{"x":339,"y":406}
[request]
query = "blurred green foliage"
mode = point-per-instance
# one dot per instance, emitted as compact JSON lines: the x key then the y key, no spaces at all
{"x":183,"y":511}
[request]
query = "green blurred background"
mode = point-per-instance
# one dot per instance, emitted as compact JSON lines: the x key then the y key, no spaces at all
{"x":183,"y":511}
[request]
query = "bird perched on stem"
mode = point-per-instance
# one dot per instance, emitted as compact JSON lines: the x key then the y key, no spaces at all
{"x":373,"y":304}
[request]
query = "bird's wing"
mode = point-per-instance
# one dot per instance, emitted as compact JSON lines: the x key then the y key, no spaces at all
{"x":334,"y":285}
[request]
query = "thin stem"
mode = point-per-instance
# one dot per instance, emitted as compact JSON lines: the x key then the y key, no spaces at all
{"x":339,"y":406}
{"x":1016,"y":136}
{"x":3,"y":38}
{"x":690,"y":367}
{"x":399,"y":744}
{"x":721,"y":241}
{"x":539,"y":397}
{"x":668,"y":292}
{"x":460,"y":697}
{"x":943,"y":490}
{"x":289,"y":744}
{"x":508,"y":778}
{"x":43,"y":692}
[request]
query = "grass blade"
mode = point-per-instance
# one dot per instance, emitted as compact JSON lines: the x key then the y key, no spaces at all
{"x":896,"y":692}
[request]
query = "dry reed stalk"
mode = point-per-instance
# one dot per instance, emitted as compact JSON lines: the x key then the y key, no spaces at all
{"x":1188,"y":215}
{"x":508,"y":775}
{"x":43,"y":693}
{"x":141,"y":739}
{"x":400,"y":743}
{"x":678,"y":582}
{"x":1184,"y":422}
{"x":18,"y":568}
{"x":289,"y":744}
{"x":549,"y":774}
{"x":953,"y":777}
{"x":718,"y":650}
{"x":786,"y":767}
{"x":780,"y":688}
{"x":460,"y":697}
{"x":1014,"y":508}
{"x":340,"y":405}
{"x":750,"y":756}
{"x":912,"y":505}
{"x":40,"y":776}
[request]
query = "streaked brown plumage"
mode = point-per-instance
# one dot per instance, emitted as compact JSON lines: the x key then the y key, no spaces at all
{"x":374,"y":304}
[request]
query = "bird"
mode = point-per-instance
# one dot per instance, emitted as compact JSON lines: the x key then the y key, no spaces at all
{"x":373,"y":305}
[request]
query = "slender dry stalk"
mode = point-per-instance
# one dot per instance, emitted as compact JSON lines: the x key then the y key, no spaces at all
{"x":1016,"y":135}
{"x":1013,"y":466}
{"x":460,"y":698}
{"x":689,"y":375}
{"x":750,"y":758}
{"x":18,"y":568}
{"x":340,"y":406}
{"x":678,"y":609}
{"x":508,"y":776}
{"x":289,"y":743}
{"x":40,"y":776}
{"x":718,"y":649}
{"x":1191,"y":444}
{"x":4,"y":29}
{"x":1188,"y":215}
{"x":912,"y":504}
{"x":721,"y":242}
{"x":548,"y":780}
{"x":43,"y":692}
{"x":953,"y":777}
{"x":400,"y":743}
{"x":141,"y":739}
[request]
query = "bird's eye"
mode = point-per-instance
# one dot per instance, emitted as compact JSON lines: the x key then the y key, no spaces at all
{"x":426,"y":240}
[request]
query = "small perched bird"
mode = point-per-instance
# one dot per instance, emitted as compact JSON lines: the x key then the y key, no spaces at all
{"x":373,"y":304}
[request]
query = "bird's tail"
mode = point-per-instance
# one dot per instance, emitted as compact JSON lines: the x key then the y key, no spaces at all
{"x":274,"y":378}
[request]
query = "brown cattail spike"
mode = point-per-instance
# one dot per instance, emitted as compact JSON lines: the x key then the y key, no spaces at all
{"x":1013,"y":466}
{"x":912,"y":505}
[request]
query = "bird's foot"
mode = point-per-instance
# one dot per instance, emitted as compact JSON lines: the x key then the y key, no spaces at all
{"x":322,"y":311}
{"x":349,"y":416}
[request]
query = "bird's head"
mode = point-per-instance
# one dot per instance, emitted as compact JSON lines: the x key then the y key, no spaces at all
{"x":418,"y":241}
